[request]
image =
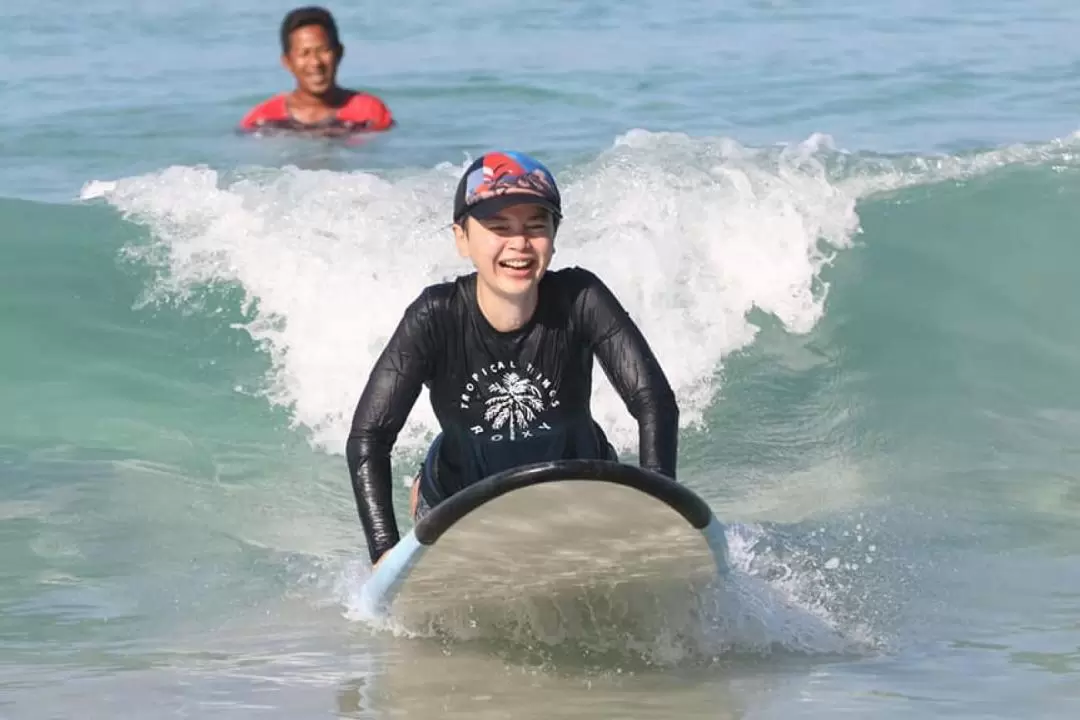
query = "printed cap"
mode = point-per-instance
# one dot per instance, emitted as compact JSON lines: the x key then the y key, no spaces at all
{"x":497,"y":180}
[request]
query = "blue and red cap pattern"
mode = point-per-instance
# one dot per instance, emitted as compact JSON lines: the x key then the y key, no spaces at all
{"x":498,"y":180}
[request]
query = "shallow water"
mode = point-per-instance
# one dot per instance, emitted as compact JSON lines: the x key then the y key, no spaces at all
{"x":848,"y":232}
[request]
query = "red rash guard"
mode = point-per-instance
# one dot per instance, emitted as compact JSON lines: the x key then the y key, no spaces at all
{"x":361,"y":113}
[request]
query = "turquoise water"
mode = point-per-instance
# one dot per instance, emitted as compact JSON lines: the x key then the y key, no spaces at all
{"x":848,"y":230}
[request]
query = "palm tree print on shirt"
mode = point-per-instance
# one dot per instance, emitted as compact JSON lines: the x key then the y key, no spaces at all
{"x":514,"y":402}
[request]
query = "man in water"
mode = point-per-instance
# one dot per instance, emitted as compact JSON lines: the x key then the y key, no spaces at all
{"x":507,"y":353}
{"x":312,"y":52}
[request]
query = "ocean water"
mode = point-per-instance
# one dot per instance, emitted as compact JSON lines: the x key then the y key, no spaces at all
{"x":849,"y":231}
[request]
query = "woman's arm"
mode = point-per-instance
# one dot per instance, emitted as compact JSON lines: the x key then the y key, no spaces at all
{"x":392,"y":388}
{"x":634,"y":371}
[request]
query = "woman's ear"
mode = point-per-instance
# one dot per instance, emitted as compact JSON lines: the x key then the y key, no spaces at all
{"x":461,"y":238}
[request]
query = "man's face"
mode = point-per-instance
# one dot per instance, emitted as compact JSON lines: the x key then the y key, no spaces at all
{"x":313,"y":59}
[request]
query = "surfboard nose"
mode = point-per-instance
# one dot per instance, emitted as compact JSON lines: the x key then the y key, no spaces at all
{"x":550,"y":529}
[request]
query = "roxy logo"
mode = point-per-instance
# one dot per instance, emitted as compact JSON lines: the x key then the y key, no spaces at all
{"x":514,"y":401}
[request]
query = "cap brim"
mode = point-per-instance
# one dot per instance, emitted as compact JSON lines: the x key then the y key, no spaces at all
{"x":485,"y":209}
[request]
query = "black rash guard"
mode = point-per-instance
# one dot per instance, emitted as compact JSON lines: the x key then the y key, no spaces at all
{"x":505,"y":399}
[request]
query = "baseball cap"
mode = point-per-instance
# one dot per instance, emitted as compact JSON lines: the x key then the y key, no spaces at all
{"x":498,"y":180}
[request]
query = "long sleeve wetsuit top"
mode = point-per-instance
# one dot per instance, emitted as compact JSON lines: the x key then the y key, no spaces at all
{"x":505,"y":399}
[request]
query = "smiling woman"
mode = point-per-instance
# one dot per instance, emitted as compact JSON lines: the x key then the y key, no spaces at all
{"x":312,"y":52}
{"x":507,"y":352}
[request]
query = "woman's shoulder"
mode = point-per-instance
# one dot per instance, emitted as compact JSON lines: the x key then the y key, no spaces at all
{"x":574,"y":283}
{"x":442,"y":297}
{"x":573,"y":276}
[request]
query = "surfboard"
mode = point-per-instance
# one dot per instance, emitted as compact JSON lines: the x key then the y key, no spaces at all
{"x":574,"y":529}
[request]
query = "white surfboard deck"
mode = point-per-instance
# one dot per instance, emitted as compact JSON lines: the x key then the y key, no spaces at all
{"x":554,"y":530}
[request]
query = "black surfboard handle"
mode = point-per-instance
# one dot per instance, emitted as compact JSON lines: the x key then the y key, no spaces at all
{"x":678,"y":497}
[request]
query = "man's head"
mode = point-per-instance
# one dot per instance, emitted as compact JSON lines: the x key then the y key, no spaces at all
{"x":311,"y":49}
{"x":507,"y":209}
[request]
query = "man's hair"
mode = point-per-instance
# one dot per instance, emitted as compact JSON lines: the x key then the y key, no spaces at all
{"x":310,"y":15}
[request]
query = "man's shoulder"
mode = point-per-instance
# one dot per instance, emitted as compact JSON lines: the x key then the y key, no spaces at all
{"x":273,"y":109}
{"x":364,"y":107}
